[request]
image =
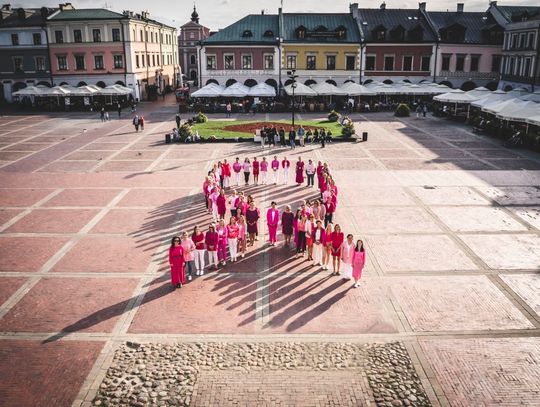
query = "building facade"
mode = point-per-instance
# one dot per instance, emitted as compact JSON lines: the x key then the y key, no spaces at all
{"x":189,"y":37}
{"x":24,"y":58}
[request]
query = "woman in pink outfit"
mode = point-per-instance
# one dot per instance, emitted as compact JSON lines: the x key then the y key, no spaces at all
{"x":176,"y":261}
{"x":346,"y":257}
{"x":272,"y":220}
{"x":213,"y":200}
{"x":327,"y":251}
{"x":198,"y":238}
{"x":319,"y":242}
{"x":237,"y":168}
{"x":221,"y":203}
{"x":337,"y":245}
{"x":256,"y":167}
{"x":275,"y":169}
{"x":221,"y":230}
{"x":299,"y":171}
{"x":232,"y":238}
{"x":211,"y":240}
{"x":358,"y":261}
{"x":189,"y":254}
{"x":242,"y":235}
{"x":264,"y":170}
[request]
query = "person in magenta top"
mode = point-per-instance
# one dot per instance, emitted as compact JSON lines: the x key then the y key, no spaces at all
{"x":275,"y":169}
{"x":285,"y":164}
{"x":296,"y":219}
{"x":336,"y":238}
{"x":198,"y":239}
{"x":206,"y":191}
{"x":272,"y":220}
{"x":176,"y":261}
{"x":213,"y":199}
{"x":189,"y":253}
{"x":347,"y":251}
{"x":358,"y":261}
{"x":329,"y":208}
{"x":211,"y":241}
{"x":221,"y":230}
{"x":237,"y":168}
{"x":233,"y":231}
{"x":301,"y":241}
{"x":221,"y":203}
{"x":255,"y":165}
{"x":299,"y":171}
{"x":264,"y":170}
{"x":226,"y":169}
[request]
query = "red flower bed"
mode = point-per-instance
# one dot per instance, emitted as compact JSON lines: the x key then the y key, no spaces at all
{"x":251,"y":127}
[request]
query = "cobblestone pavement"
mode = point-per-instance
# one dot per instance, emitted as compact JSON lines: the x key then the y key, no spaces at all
{"x":450,"y":220}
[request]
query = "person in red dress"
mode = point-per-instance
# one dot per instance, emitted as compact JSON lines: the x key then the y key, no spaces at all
{"x":226,"y":171}
{"x":337,"y":244}
{"x":221,"y":202}
{"x":176,"y":261}
{"x":299,"y":171}
{"x":256,"y":169}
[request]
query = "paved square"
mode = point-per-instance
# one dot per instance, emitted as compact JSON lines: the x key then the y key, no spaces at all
{"x":527,"y":286}
{"x":477,"y":219}
{"x":13,"y":249}
{"x":53,"y":221}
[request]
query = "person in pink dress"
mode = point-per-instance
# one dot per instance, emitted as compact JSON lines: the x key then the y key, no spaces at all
{"x":232,"y":238}
{"x":213,"y":200}
{"x":189,"y":254}
{"x":299,"y":171}
{"x":275,"y":169}
{"x":256,"y":169}
{"x":285,"y":164}
{"x":264,"y":170}
{"x":358,"y":261}
{"x":320,"y":169}
{"x":272,"y":220}
{"x":287,"y":224}
{"x":237,"y":168}
{"x":327,"y":251}
{"x":318,"y":210}
{"x":252,"y":219}
{"x":301,"y":241}
{"x":319,"y":242}
{"x":297,"y":217}
{"x":198,"y":238}
{"x":221,"y":203}
{"x":221,"y":230}
{"x":347,"y":251}
{"x":176,"y":261}
{"x":329,"y":208}
{"x":211,"y":240}
{"x":242,"y":228}
{"x":337,"y":245}
{"x":226,"y":170}
{"x":206,"y":193}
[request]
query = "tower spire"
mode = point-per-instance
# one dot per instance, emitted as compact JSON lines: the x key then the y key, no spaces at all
{"x":195,"y":15}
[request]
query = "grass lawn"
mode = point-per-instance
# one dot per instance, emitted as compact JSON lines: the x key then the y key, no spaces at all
{"x":216,"y":127}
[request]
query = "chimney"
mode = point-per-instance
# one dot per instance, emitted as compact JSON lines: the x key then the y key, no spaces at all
{"x":383,"y":6}
{"x":353,"y":8}
{"x":460,"y":7}
{"x":262,"y":12}
{"x":493,"y":3}
{"x":422,"y":6}
{"x":66,"y":6}
{"x":6,"y":7}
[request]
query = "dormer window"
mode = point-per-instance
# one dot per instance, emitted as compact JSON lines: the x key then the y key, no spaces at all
{"x":301,"y":32}
{"x":398,"y":33}
{"x":341,"y":32}
{"x":379,"y":33}
{"x":247,"y":34}
{"x":269,"y":33}
{"x":454,"y":33}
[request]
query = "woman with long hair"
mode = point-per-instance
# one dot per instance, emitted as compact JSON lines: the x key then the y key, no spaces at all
{"x":221,"y":203}
{"x":211,"y":241}
{"x":358,"y":261}
{"x":255,"y":165}
{"x":287,"y":227}
{"x":198,"y":239}
{"x":221,"y":230}
{"x":176,"y":261}
{"x":346,"y":257}
{"x":327,"y":251}
{"x":310,"y":227}
{"x":232,"y":238}
{"x":242,"y":234}
{"x":189,"y":254}
{"x":337,"y":245}
{"x":301,"y":242}
{"x":247,"y":170}
{"x":252,"y":218}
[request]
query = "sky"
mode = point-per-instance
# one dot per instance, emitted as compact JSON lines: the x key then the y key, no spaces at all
{"x":217,"y":14}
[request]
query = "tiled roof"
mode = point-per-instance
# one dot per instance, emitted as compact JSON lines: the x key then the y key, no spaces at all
{"x":371,"y":18}
{"x":257,"y":24}
{"x":474,"y":23}
{"x":511,"y":13}
{"x":311,"y":21}
{"x":33,"y":18}
{"x":86,"y":14}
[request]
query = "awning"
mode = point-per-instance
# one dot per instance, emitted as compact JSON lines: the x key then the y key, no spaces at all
{"x":456,"y":96}
{"x":212,"y":90}
{"x":491,"y":99}
{"x":300,"y":90}
{"x":355,"y":89}
{"x":505,"y":104}
{"x":236,"y":90}
{"x":327,"y":89}
{"x":262,"y":90}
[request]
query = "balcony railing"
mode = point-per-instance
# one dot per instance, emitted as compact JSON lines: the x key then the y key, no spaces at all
{"x":521,"y":79}
{"x":246,"y":72}
{"x":471,"y":75}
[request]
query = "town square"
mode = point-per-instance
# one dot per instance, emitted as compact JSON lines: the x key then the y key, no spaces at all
{"x":317,"y":211}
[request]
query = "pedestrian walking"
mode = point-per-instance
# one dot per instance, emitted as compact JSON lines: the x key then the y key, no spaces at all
{"x":102,"y":114}
{"x":178,"y":120}
{"x":301,"y":135}
{"x":228,"y":108}
{"x":119,"y":109}
{"x":358,"y":261}
{"x":272,"y":220}
{"x":211,"y":241}
{"x":176,"y":262}
{"x":106,"y":116}
{"x":189,"y":254}
{"x":247,"y":170}
{"x":141,"y":122}
{"x":198,"y":239}
{"x":136,"y":123}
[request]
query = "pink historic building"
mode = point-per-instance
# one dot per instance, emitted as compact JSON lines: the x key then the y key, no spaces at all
{"x":189,"y":37}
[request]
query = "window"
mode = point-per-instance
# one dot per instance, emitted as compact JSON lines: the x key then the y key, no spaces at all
{"x":142,"y":60}
{"x":153,"y":60}
{"x":146,"y":36}
{"x":40,"y":64}
{"x":370,"y":62}
{"x":530,"y":41}
{"x":142,"y":36}
{"x":191,"y":35}
{"x":389,"y":63}
{"x":330,"y":62}
{"x":193,"y":60}
{"x":14,"y":39}
{"x":98,"y":61}
{"x":311,"y":62}
{"x":380,"y":34}
{"x":18,"y":64}
{"x":36,"y":38}
{"x":157,"y":59}
{"x":79,"y":62}
{"x":511,"y":67}
{"x":118,"y":61}
{"x":116,"y":34}
{"x":59,"y":37}
{"x":148,"y":59}
{"x":514,"y":41}
{"x":460,"y":63}
{"x":350,"y":62}
{"x":291,"y":61}
{"x":426,"y":62}
{"x":77,"y":36}
{"x":522,"y":41}
{"x":247,"y":34}
{"x":496,"y":63}
{"x":475,"y":63}
{"x":137,"y":61}
{"x":301,"y":32}
{"x":210,"y":62}
{"x":446,"y":62}
{"x":407,"y":63}
{"x":269,"y":62}
{"x":246,"y":61}
{"x":96,"y":35}
{"x":527,"y":67}
{"x":229,"y":62}
{"x":269,"y":33}
{"x":62,"y":63}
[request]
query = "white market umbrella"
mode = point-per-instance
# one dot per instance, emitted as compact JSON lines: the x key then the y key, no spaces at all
{"x":211,"y":90}
{"x":236,"y":90}
{"x":384,"y":89}
{"x":327,"y":89}
{"x":355,"y":89}
{"x":491,"y":99}
{"x":300,"y":90}
{"x":56,"y":91}
{"x":534,"y":120}
{"x":533,"y":97}
{"x":90,"y":89}
{"x":29,"y":91}
{"x":505,"y":104}
{"x":455,"y":96}
{"x":519,"y":112}
{"x":114,"y":90}
{"x":479,"y":92}
{"x":262,"y":90}
{"x":518,"y":92}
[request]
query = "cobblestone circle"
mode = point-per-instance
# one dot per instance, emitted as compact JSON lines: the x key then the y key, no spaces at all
{"x":166,"y":374}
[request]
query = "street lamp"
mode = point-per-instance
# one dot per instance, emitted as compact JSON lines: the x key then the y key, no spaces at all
{"x":292,"y":77}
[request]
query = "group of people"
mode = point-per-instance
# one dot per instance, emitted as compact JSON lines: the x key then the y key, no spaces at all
{"x":311,"y":226}
{"x":272,"y":136}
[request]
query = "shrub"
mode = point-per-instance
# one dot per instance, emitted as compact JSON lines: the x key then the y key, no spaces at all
{"x":185,"y":131}
{"x":200,"y":118}
{"x":348,"y":130}
{"x":333,"y":116}
{"x":402,"y":110}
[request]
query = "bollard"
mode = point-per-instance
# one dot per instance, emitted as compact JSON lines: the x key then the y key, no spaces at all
{"x":364,"y":136}
{"x":168,"y":138}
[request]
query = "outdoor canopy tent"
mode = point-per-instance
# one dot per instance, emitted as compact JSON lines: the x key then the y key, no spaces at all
{"x":236,"y":90}
{"x":491,"y":99}
{"x":479,"y":92}
{"x":455,"y":96}
{"x":519,"y":112}
{"x":533,"y":97}
{"x":114,"y":90}
{"x":300,"y":90}
{"x":534,"y":120}
{"x":505,"y":104}
{"x":211,"y":90}
{"x":30,"y":91}
{"x":355,"y":89}
{"x":327,"y":89}
{"x":262,"y":90}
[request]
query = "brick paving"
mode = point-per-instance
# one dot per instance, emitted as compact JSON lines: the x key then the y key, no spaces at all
{"x":450,"y":222}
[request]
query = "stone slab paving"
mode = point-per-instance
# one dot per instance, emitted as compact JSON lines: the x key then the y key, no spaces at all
{"x":450,"y":224}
